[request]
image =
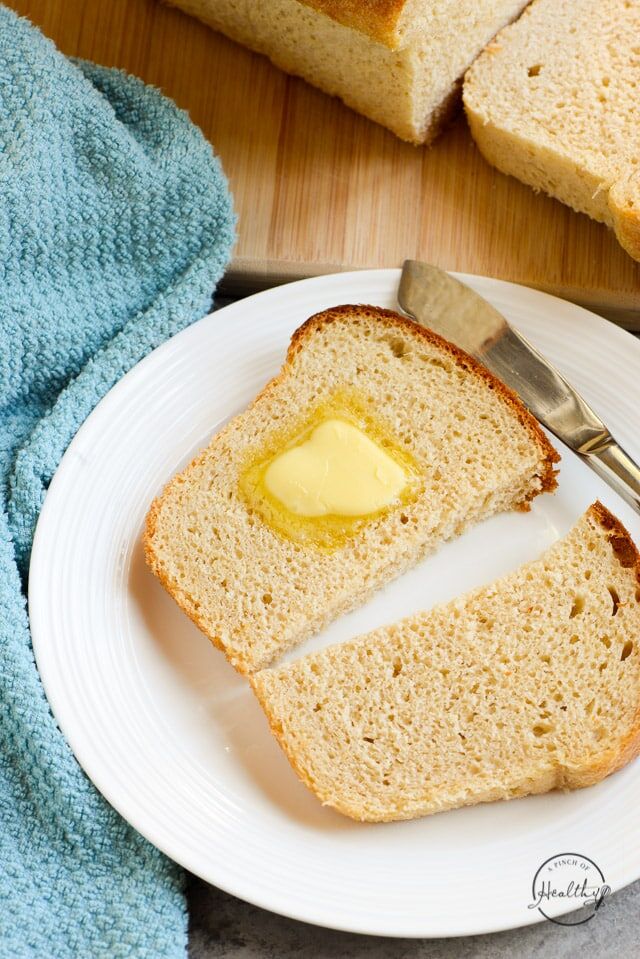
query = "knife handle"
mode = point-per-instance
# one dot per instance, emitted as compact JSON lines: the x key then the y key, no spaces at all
{"x":616,"y":468}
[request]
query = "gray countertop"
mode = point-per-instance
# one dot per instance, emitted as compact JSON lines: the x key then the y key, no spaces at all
{"x":222,"y":927}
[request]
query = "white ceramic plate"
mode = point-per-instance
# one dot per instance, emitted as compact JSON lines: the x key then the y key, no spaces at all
{"x":173,"y":737}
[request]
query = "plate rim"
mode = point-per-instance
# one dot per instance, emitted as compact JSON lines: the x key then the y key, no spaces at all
{"x":37,"y":569}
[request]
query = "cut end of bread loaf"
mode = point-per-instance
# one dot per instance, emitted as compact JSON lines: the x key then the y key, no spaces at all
{"x":256,"y":592}
{"x":526,"y":685}
{"x":553,"y":100}
{"x":398,"y":62}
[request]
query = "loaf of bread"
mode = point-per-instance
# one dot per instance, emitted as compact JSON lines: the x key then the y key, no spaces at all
{"x":526,"y":685}
{"x":474,"y":449}
{"x":554,"y":100}
{"x":399,"y":62}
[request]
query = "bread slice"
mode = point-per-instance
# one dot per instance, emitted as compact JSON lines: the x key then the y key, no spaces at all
{"x":526,"y":685}
{"x":475,"y":450}
{"x":400,"y":62}
{"x":554,"y":102}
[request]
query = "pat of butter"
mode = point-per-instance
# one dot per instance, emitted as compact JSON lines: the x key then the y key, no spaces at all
{"x":337,"y":470}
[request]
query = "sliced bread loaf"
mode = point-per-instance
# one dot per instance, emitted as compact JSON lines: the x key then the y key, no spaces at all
{"x":554,"y":101}
{"x":256,"y":585}
{"x":526,"y":685}
{"x":399,"y":62}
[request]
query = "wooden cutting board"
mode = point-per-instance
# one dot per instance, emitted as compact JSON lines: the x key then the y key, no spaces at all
{"x":319,"y":188}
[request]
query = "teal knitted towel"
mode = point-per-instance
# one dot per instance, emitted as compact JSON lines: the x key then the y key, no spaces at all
{"x":115,"y":226}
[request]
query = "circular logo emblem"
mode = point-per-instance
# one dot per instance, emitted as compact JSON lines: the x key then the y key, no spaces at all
{"x":569,"y":881}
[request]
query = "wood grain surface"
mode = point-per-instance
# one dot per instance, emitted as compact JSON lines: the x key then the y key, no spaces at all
{"x":319,"y":188}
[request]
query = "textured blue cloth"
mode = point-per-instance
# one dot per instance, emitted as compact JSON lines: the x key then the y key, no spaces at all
{"x":115,"y":226}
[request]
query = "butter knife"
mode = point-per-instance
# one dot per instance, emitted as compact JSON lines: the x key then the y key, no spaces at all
{"x":435,"y":299}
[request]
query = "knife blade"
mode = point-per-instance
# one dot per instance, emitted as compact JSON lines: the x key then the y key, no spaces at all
{"x":435,"y":299}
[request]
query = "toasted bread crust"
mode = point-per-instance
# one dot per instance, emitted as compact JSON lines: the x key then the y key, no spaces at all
{"x":628,"y":556}
{"x":620,"y":539}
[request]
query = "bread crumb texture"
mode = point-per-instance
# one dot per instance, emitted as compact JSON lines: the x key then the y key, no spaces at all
{"x":255,"y":592}
{"x":399,"y":62}
{"x":554,"y":101}
{"x":520,"y":687}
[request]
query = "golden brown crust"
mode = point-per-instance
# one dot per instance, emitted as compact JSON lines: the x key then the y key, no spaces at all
{"x":619,"y":537}
{"x":377,"y":19}
{"x":467,"y":362}
{"x":628,"y":556}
